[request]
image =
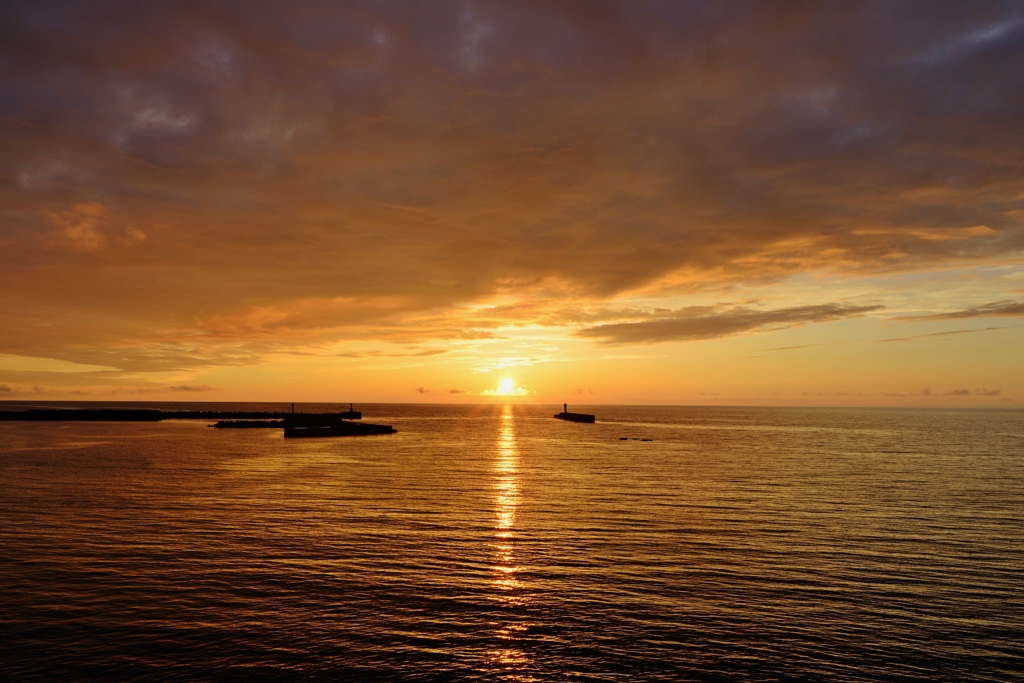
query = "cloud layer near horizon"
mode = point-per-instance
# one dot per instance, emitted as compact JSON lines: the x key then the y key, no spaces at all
{"x":202,"y":184}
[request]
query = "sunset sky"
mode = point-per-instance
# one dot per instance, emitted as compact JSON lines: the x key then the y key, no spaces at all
{"x":594,"y":202}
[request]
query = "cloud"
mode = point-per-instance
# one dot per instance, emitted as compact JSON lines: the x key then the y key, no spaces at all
{"x":87,"y":227}
{"x":4,"y":389}
{"x":425,"y":391}
{"x":382,"y":354}
{"x":431,"y":157}
{"x":507,"y":387}
{"x":703,"y":322}
{"x":191,"y":388}
{"x":976,"y":392}
{"x":993,"y":310}
{"x":82,"y":226}
{"x":796,"y":348}
{"x":953,"y":392}
{"x":938,"y":334}
{"x":518,"y":391}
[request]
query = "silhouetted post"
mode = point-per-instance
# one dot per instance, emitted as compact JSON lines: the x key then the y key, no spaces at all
{"x":565,"y":407}
{"x":350,"y":408}
{"x":293,"y":409}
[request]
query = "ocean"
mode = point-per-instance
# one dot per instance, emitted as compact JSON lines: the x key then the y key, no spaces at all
{"x":494,"y":543}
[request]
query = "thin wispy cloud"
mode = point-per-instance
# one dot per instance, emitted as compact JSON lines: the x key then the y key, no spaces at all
{"x":708,"y":323}
{"x":927,"y":392}
{"x":940,"y":334}
{"x":997,"y":309}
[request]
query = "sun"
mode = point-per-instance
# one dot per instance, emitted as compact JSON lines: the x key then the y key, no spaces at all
{"x":507,"y":387}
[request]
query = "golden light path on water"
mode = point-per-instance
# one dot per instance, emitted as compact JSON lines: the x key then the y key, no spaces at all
{"x":505,"y":570}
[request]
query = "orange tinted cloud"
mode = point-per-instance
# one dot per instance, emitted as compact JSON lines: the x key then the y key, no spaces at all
{"x":208,"y":185}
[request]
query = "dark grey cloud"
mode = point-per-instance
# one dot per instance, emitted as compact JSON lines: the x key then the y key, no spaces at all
{"x":702,"y":322}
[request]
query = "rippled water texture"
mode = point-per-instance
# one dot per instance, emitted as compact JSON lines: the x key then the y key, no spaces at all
{"x":496,"y":543}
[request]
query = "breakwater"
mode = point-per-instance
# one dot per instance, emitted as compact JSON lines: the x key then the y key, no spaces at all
{"x":294,"y":424}
{"x":143,"y":415}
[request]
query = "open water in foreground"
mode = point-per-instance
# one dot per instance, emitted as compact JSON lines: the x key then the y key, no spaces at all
{"x":494,"y":543}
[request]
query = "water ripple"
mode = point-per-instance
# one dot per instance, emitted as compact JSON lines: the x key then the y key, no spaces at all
{"x":496,"y":544}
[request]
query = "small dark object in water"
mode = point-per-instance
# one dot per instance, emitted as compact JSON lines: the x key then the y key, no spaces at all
{"x":351,"y":413}
{"x":623,"y":438}
{"x":336,"y":429}
{"x":249,"y":424}
{"x":312,"y":424}
{"x":647,"y":439}
{"x":572,"y":417}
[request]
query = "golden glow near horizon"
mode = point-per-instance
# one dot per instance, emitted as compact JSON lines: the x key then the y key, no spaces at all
{"x":568,"y":200}
{"x":506,"y":387}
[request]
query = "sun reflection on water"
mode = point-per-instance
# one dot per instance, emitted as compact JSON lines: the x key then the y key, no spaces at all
{"x":505,"y":570}
{"x":506,"y":500}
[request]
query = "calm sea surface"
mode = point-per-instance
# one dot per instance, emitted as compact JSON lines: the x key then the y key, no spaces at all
{"x":495,"y":543}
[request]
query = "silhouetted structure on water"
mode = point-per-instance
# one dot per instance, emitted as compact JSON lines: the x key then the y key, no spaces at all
{"x":294,"y":424}
{"x":572,"y":417}
{"x":297,"y":425}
